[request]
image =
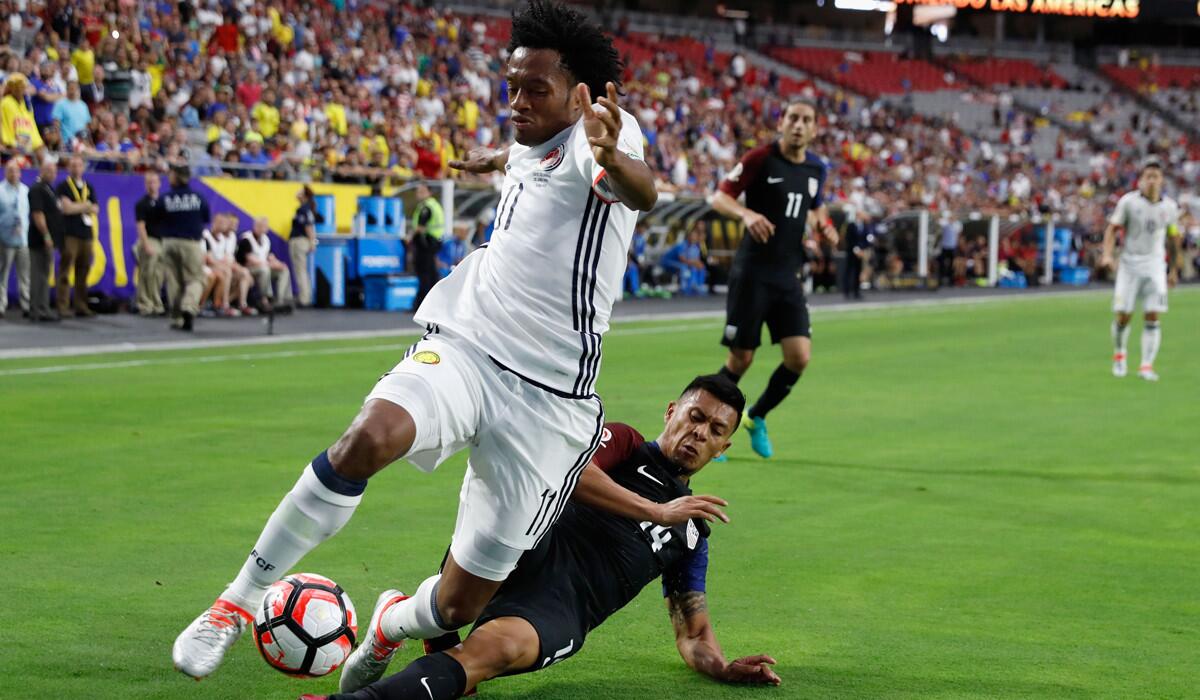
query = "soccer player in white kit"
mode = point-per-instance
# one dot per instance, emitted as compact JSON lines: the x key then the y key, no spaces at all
{"x":507,"y":368}
{"x":1151,"y":223}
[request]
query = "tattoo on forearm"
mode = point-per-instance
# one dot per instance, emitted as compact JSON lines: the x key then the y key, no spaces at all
{"x":686,"y":605}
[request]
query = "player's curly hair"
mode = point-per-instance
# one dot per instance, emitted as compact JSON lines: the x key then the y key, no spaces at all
{"x":587,"y":52}
{"x":723,"y":389}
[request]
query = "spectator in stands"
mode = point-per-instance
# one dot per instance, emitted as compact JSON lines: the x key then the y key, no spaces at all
{"x":425,"y":240}
{"x":14,"y":235}
{"x":951,"y":230}
{"x":686,"y":259}
{"x":270,"y":274}
{"x":148,"y":251}
{"x":72,"y":115}
{"x":301,"y":242}
{"x":77,"y":200}
{"x":83,"y":59}
{"x":219,"y":270}
{"x":453,"y":250}
{"x":18,"y":130}
{"x":254,"y":155}
{"x":46,"y":231}
{"x":49,"y":88}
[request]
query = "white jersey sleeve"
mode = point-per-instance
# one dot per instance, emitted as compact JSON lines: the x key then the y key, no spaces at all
{"x":1121,"y":212}
{"x":629,"y":142}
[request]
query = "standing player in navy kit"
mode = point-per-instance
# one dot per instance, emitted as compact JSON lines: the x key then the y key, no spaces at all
{"x":782,"y":182}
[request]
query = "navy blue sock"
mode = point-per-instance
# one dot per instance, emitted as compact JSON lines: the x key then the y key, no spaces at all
{"x":433,"y":677}
{"x":333,"y":481}
{"x":782,"y":381}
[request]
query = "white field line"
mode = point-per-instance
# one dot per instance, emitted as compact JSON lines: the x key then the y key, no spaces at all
{"x":849,"y":309}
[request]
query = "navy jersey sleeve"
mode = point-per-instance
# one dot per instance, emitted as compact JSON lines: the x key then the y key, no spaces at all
{"x":819,"y":200}
{"x":689,"y":574}
{"x":617,"y":443}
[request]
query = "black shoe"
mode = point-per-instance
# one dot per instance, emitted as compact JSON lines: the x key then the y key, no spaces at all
{"x":48,"y":318}
{"x":26,"y":314}
{"x":285,"y":309}
{"x":1,"y":314}
{"x":187,"y":322}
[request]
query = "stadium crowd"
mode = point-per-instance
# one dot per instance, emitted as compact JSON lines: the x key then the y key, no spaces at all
{"x":310,"y":91}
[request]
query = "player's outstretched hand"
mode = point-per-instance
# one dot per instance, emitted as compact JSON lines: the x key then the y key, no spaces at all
{"x":751,"y":669}
{"x":603,"y":124}
{"x":479,"y":160}
{"x":1106,"y":262}
{"x":684,"y":508}
{"x":760,"y":227}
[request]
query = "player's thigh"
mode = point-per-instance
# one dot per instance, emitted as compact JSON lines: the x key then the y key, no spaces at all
{"x":787,"y":315}
{"x":522,"y":470}
{"x":745,"y":307}
{"x":438,"y":385}
{"x":1125,"y":291}
{"x":1154,"y":292}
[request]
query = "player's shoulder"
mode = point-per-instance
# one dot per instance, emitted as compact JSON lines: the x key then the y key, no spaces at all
{"x":620,"y":432}
{"x":816,"y":160}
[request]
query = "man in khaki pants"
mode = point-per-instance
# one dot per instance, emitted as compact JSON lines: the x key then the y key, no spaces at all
{"x":148,"y":251}
{"x":301,"y":242}
{"x":183,"y":215}
{"x":78,"y":203}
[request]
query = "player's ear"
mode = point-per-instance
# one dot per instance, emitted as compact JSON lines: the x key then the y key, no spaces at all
{"x":670,"y":412}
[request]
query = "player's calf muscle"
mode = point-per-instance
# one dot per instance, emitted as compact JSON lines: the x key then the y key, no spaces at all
{"x":380,"y":434}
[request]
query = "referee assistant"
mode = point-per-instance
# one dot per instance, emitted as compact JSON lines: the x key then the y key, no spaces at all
{"x":782,"y":182}
{"x":183,"y":215}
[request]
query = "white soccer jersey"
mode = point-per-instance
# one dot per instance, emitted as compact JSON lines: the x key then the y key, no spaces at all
{"x":538,"y":296}
{"x":1146,"y":226}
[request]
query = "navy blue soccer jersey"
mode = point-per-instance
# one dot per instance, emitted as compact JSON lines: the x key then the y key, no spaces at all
{"x":619,"y":556}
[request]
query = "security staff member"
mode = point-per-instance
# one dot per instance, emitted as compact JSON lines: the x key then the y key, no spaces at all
{"x":860,"y":238}
{"x":78,"y":203}
{"x":425,"y":240}
{"x":45,"y":234}
{"x":148,"y":251}
{"x":183,"y":215}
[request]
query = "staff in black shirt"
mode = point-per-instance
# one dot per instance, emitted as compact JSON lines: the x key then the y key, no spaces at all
{"x":77,"y":201}
{"x":183,"y":215}
{"x":148,"y":251}
{"x":44,"y":235}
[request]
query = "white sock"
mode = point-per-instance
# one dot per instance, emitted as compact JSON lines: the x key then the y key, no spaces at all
{"x":1151,"y":340}
{"x":308,"y":515}
{"x":1120,"y":337}
{"x":415,"y":618}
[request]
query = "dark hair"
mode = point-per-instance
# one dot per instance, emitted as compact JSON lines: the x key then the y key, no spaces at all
{"x":587,"y":52}
{"x":722,"y":389}
{"x":1151,"y":162}
{"x":793,"y":101}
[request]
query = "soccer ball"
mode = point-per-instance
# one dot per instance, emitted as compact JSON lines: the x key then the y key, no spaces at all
{"x":306,"y":626}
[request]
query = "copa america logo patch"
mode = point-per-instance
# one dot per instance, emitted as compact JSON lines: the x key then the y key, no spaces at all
{"x":554,"y":158}
{"x":813,"y":185}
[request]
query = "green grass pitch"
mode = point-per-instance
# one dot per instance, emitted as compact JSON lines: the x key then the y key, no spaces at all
{"x":965,"y":504}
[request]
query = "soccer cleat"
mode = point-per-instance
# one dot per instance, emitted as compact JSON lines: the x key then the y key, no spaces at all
{"x":721,"y":458}
{"x":201,"y":646}
{"x":1147,"y":372}
{"x":368,"y":662}
{"x":759,"y":442}
{"x":1119,"y":365}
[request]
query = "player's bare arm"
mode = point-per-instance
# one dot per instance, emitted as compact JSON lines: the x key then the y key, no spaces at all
{"x":1110,"y":240}
{"x":630,"y":178}
{"x":760,"y":227}
{"x":1174,"y":254}
{"x":818,"y":220}
{"x":597,"y":490}
{"x":697,"y":644}
{"x":482,"y":160}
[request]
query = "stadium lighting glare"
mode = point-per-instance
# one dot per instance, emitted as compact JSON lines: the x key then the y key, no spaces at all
{"x":116,"y":34}
{"x":876,"y":5}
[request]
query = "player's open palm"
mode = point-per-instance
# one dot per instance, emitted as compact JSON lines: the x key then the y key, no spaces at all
{"x":751,"y":669}
{"x":685,"y":508}
{"x":601,"y":122}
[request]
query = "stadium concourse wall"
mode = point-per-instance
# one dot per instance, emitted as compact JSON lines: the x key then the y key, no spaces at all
{"x":115,"y":229}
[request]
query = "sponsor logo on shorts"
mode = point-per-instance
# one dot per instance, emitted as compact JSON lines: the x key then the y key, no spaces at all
{"x":730,"y":332}
{"x":427,"y":357}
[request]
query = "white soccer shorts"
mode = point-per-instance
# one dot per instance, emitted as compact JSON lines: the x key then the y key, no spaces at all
{"x":528,"y":445}
{"x":1140,"y":282}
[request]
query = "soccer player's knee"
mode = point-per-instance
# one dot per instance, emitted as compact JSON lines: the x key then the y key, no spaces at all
{"x":741,"y":359}
{"x":362,"y":451}
{"x":797,"y":362}
{"x":1151,"y":317}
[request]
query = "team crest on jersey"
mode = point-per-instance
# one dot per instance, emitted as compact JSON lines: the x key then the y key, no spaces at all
{"x":427,"y":357}
{"x":812,"y":187}
{"x":554,"y":158}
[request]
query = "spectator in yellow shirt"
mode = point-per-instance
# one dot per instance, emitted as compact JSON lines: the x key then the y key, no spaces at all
{"x":467,"y":114}
{"x":266,"y":115}
{"x":336,"y":113}
{"x":17,"y":127}
{"x":84,"y":60}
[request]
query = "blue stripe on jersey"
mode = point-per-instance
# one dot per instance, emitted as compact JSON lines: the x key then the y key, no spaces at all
{"x":589,"y":339}
{"x":593,"y":363}
{"x":513,"y":207}
{"x":689,"y":574}
{"x":575,"y":319}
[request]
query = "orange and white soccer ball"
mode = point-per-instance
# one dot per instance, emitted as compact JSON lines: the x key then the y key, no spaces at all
{"x":306,"y":626}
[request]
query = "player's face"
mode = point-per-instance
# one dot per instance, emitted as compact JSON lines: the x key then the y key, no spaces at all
{"x":798,"y":126}
{"x":698,"y":429}
{"x":540,"y":94}
{"x":1151,"y":183}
